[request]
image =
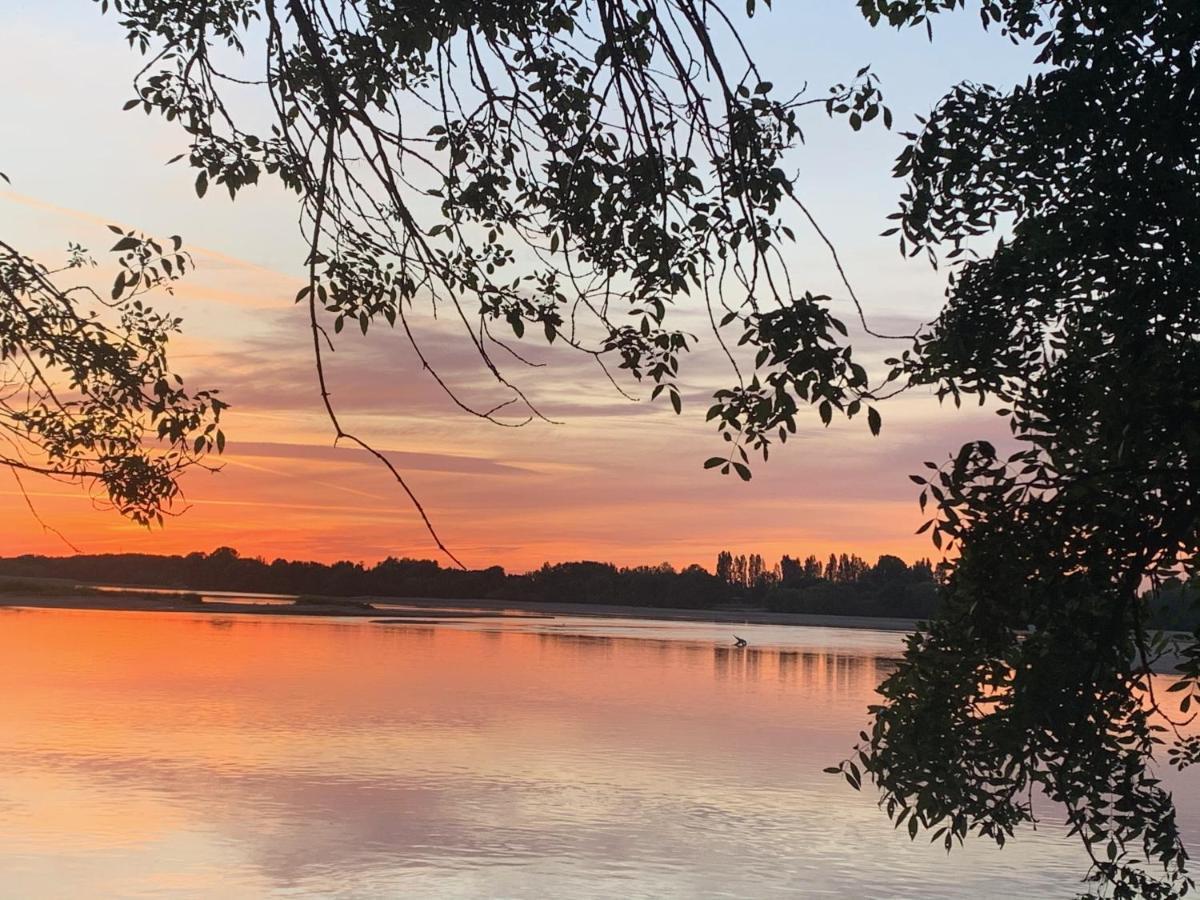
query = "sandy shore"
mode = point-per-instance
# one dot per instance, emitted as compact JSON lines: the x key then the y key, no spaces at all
{"x":423,"y":607}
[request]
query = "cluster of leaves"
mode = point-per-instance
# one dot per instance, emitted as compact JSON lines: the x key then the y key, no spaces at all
{"x":566,"y":168}
{"x":87,"y":395}
{"x":801,"y":362}
{"x":1082,"y":323}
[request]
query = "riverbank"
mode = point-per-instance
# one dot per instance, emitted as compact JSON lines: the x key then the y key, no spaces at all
{"x":429,"y":610}
{"x":424,"y":608}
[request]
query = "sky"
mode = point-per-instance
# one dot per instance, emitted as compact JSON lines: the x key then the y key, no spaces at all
{"x":616,"y":480}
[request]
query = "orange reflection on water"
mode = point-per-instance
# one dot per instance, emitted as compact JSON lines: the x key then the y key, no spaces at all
{"x":192,"y":754}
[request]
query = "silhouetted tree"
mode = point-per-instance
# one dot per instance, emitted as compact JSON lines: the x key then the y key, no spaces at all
{"x":725,"y":566}
{"x":755,"y":570}
{"x":1081,"y":325}
{"x":741,"y":570}
{"x":790,"y":569}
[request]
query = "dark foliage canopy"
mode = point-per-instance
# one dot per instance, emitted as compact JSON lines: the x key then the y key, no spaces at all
{"x":1083,"y":324}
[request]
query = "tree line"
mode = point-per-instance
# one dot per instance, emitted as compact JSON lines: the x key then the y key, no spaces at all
{"x":844,"y":584}
{"x":751,"y":571}
{"x":741,"y":581}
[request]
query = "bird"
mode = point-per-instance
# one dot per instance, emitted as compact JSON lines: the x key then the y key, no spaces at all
{"x":738,"y":641}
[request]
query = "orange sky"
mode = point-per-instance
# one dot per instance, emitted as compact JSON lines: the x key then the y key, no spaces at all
{"x":617,"y":480}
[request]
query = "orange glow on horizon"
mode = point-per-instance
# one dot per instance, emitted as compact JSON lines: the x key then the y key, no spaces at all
{"x":619,"y":482}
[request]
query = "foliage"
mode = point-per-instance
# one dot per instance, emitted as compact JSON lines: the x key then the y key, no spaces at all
{"x":567,"y":169}
{"x":86,"y":393}
{"x":1082,"y":323}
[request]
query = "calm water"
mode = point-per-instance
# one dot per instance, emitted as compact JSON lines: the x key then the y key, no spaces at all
{"x":204,"y":756}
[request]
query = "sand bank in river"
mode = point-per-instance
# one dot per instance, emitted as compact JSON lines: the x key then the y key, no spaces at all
{"x":429,"y":609}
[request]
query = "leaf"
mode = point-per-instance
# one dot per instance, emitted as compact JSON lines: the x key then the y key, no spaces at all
{"x":201,"y":183}
{"x":743,"y":471}
{"x":713,"y":461}
{"x":874,"y":421}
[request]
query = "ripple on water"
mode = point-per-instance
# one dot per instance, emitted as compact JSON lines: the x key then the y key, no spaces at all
{"x":153,"y":755}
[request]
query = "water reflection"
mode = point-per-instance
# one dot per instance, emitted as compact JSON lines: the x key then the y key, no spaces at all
{"x":808,"y":671}
{"x":186,"y":755}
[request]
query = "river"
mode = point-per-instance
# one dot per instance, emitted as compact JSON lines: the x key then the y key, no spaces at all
{"x":201,"y":755}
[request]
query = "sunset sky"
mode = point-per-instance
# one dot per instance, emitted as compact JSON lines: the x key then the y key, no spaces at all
{"x":617,"y":480}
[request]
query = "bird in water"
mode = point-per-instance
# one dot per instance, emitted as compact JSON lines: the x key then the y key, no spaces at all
{"x":738,"y":641}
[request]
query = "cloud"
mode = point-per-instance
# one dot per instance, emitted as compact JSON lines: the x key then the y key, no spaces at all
{"x":435,"y":462}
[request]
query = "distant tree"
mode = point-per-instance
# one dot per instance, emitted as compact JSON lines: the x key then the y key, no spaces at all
{"x":755,"y":570}
{"x":890,"y":568}
{"x":725,"y":566}
{"x":790,"y":569}
{"x":741,"y":571}
{"x":923,"y":569}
